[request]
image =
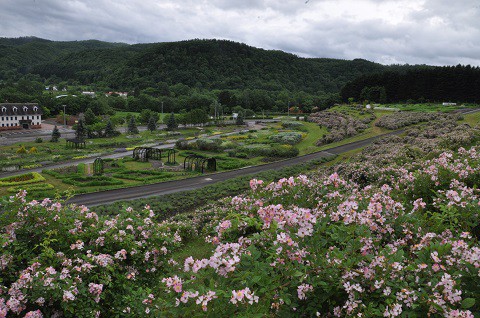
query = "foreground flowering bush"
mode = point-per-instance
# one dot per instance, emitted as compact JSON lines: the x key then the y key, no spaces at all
{"x":67,"y":261}
{"x":328,"y":247}
{"x":404,"y":244}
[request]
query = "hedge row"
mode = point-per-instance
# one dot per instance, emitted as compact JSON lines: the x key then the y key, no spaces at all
{"x":27,"y":178}
{"x":144,"y":175}
{"x":81,"y":181}
{"x":32,"y":187}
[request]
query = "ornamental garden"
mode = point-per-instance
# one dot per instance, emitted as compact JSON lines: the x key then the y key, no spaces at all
{"x":391,"y":232}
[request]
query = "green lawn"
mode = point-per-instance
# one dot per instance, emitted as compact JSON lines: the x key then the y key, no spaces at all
{"x":472,"y":119}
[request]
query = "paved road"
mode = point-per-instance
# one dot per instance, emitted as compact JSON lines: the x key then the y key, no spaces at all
{"x":105,"y":197}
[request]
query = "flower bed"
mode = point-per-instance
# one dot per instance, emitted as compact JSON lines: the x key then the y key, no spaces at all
{"x":340,"y":126}
{"x":403,"y":119}
{"x":288,"y":138}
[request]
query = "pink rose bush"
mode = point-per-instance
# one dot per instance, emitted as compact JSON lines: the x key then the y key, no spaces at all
{"x":325,"y":246}
{"x":60,"y":260}
{"x":392,"y":233}
{"x":340,"y":125}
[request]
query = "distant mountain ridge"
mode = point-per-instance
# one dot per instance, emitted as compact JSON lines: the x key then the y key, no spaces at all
{"x":208,"y":64}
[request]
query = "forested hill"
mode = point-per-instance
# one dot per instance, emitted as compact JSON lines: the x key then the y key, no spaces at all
{"x":19,"y":55}
{"x":207,"y":64}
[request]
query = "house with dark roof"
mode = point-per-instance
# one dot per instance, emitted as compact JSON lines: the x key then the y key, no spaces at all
{"x":14,"y":116}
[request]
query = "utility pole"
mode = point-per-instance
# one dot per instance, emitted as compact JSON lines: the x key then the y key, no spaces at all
{"x":288,"y":109}
{"x":64,"y":118}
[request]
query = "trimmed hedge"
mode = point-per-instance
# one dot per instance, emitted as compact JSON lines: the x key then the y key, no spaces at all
{"x":27,"y":178}
{"x":32,"y":187}
{"x":81,"y":181}
{"x":144,"y":175}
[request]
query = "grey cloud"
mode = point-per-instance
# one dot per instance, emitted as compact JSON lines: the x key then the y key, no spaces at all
{"x":433,"y":32}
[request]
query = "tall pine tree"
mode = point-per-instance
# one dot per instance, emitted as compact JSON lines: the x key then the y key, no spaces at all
{"x":152,"y":124}
{"x":55,"y":134}
{"x":172,"y":123}
{"x":80,"y":131}
{"x":132,"y":126}
{"x":110,"y":130}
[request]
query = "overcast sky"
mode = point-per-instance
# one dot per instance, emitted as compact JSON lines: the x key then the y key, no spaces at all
{"x":437,"y":32}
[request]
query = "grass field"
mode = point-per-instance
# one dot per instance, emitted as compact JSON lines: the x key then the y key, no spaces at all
{"x":472,"y":119}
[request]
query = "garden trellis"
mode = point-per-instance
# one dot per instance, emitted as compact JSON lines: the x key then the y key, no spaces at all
{"x":98,"y":166}
{"x":199,"y":163}
{"x":145,"y":153}
{"x":77,"y":143}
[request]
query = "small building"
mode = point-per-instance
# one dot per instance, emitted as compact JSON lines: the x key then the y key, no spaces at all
{"x":15,"y":116}
{"x":91,"y":94}
{"x":449,"y":104}
{"x":120,"y":94}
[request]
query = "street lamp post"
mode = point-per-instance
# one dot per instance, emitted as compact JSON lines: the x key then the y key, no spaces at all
{"x":163,"y":121}
{"x":64,"y":118}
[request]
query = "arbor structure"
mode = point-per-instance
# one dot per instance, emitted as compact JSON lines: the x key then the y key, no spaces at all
{"x":55,"y":134}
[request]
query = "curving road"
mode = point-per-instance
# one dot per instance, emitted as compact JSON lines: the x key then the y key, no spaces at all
{"x":105,"y":197}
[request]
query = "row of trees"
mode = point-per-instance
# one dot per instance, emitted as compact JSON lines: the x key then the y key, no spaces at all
{"x":162,"y":97}
{"x":435,"y":84}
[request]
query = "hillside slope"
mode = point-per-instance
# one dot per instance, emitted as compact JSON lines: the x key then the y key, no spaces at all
{"x":210,"y":64}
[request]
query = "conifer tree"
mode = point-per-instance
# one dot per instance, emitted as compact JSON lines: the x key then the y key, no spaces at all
{"x":55,"y":134}
{"x":239,"y":120}
{"x":90,"y":117}
{"x":172,"y":123}
{"x":109,"y":130}
{"x":80,"y":131}
{"x":152,"y":124}
{"x":132,"y":126}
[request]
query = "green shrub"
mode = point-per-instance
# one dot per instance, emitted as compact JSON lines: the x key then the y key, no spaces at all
{"x":209,"y":144}
{"x":289,"y":138}
{"x":230,"y":163}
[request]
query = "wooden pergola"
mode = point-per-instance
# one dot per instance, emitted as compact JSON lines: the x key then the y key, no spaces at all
{"x":76,"y":143}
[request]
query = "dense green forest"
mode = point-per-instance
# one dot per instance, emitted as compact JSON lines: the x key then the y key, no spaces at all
{"x":210,"y":74}
{"x":422,"y":84}
{"x":208,"y":64}
{"x":174,"y":76}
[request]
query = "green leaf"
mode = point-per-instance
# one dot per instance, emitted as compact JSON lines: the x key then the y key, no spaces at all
{"x":468,"y":303}
{"x":297,"y":274}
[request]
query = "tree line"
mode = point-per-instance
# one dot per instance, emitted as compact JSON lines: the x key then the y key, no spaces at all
{"x":423,"y":84}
